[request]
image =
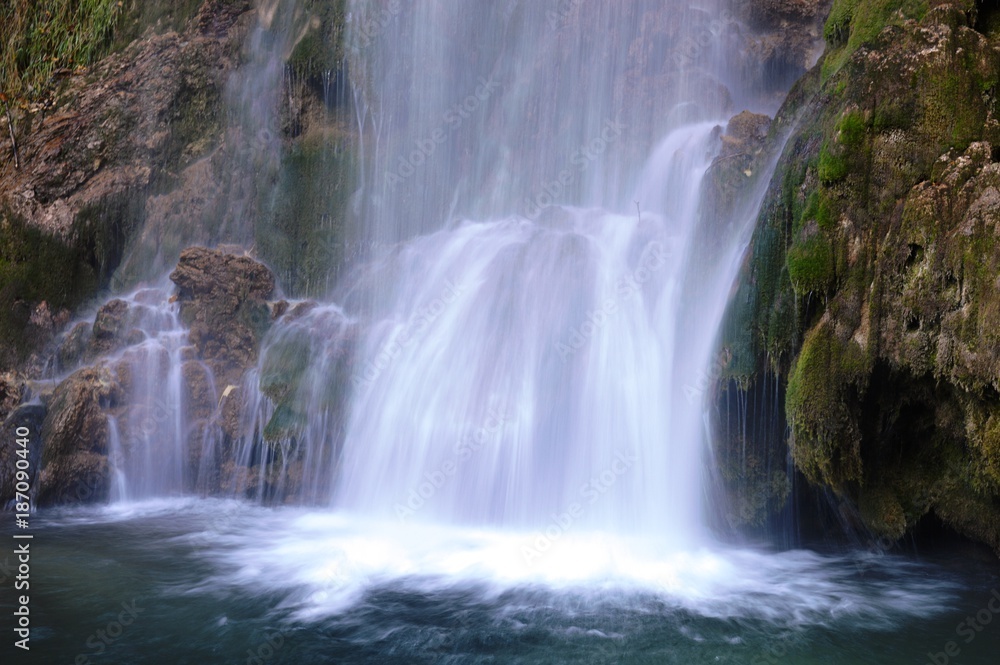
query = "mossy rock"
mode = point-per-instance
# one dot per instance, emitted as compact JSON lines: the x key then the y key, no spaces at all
{"x":878,"y":244}
{"x":822,"y":409}
{"x":301,"y":228}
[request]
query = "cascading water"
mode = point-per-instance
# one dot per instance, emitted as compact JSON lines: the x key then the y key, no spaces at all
{"x":503,"y":401}
{"x":521,"y":369}
{"x":156,"y":462}
{"x":156,"y":446}
{"x":530,"y":365}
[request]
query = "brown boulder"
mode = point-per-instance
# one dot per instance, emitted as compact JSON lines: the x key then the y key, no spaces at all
{"x":110,"y":322}
{"x":74,"y":464}
{"x":11,"y":392}
{"x":86,"y":342}
{"x":223,"y":301}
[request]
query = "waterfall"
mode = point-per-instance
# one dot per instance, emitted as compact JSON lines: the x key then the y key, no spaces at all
{"x":521,"y":369}
{"x":163,"y":436}
{"x":157,"y":457}
{"x":488,"y":440}
{"x":483,"y":110}
{"x":530,"y":313}
{"x":539,"y":290}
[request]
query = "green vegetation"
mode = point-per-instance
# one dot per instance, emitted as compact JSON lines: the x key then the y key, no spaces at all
{"x":832,"y":166}
{"x":879,"y":250}
{"x":35,"y":267}
{"x":811,"y":266}
{"x":826,"y":439}
{"x":853,"y":23}
{"x":818,"y":209}
{"x":321,"y":49}
{"x":41,"y":39}
{"x":839,"y":155}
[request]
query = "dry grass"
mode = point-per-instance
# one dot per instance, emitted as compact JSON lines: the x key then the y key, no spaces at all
{"x":41,"y":38}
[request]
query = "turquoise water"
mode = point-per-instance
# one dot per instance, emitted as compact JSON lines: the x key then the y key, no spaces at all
{"x":195,"y":581}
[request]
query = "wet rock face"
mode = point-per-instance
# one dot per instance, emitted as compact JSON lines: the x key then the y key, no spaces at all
{"x":85,"y":342}
{"x":742,"y":150}
{"x":112,"y":128}
{"x":74,"y":460}
{"x":11,"y":392}
{"x":93,"y":158}
{"x":223,"y":301}
{"x":872,"y":282}
{"x":27,"y":417}
{"x":786,"y":36}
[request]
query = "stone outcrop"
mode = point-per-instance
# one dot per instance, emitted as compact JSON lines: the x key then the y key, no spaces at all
{"x":153,"y":109}
{"x":29,"y":417}
{"x":871,"y":290}
{"x":110,"y":139}
{"x":75,"y":438}
{"x":223,"y":301}
{"x":791,"y":30}
{"x":222,"y":298}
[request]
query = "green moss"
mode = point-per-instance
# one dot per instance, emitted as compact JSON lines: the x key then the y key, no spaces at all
{"x":811,"y":266}
{"x":851,"y":130}
{"x":301,"y":227}
{"x":321,"y":49}
{"x":853,"y":23}
{"x":844,"y":151}
{"x":837,"y":29}
{"x":818,"y":209}
{"x":831,"y":167}
{"x":36,"y":267}
{"x":954,"y":109}
{"x":870,"y":17}
{"x":826,"y":440}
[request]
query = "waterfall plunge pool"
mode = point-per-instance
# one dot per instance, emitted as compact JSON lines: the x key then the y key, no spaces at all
{"x":217,"y":581}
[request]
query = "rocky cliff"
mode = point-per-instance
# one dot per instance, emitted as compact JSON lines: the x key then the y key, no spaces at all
{"x":152,"y":137}
{"x":870,"y":299}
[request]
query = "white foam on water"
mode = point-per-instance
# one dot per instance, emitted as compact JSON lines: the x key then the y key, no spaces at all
{"x":324,"y":563}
